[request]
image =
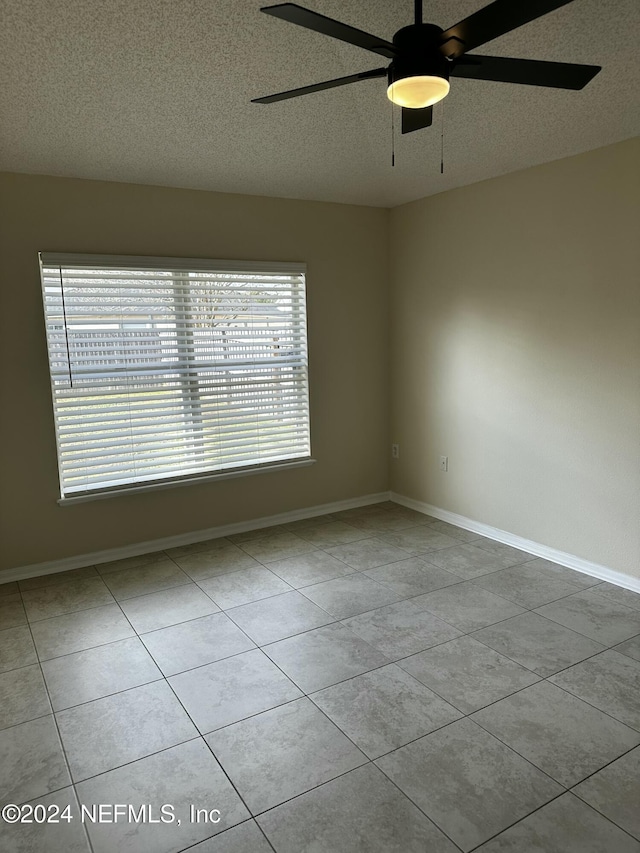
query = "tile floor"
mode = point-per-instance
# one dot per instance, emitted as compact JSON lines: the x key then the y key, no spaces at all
{"x":375,"y":680}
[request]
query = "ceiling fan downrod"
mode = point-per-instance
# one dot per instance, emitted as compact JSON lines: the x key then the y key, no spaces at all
{"x":418,"y":11}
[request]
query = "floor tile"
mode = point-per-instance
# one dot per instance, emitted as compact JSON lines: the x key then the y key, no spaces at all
{"x":470,"y":785}
{"x":333,"y":533}
{"x":257,"y":533}
{"x":307,"y":569}
{"x":467,"y":606}
{"x":281,"y":753}
{"x":631,"y":648}
{"x":183,"y":775}
{"x":244,"y":838}
{"x":143,"y":580}
{"x":514,"y":555}
{"x":94,"y":673}
{"x":195,"y":643}
{"x":230,"y":690}
{"x":615,"y":792}
{"x":560,"y":734}
{"x":384,"y":709}
{"x":608,"y":681}
{"x":369,"y":511}
{"x":412,"y":577}
{"x":455,"y":532}
{"x":527,"y":587}
{"x":16,"y":648}
{"x":604,"y":621}
{"x":617,"y":594}
{"x":367,"y":554}
{"x":208,"y":564}
{"x":389,"y":682}
{"x":350,"y":595}
{"x":168,"y":607}
{"x":130,"y":562}
{"x":562,"y":573}
{"x":62,"y":837}
{"x":31,"y":761}
{"x":408,"y":513}
{"x":57,"y":578}
{"x":11,"y":611}
{"x":73,"y":632}
{"x":564,"y":826}
{"x":401,"y":629}
{"x":236,"y":588}
{"x":109,"y":732}
{"x":419,"y":540}
{"x":538,"y":643}
{"x":46,"y":602}
{"x":278,"y":617}
{"x":324,"y":656}
{"x":385,"y":521}
{"x":467,"y":674}
{"x":23,"y":696}
{"x":278,"y":547}
{"x":10,"y":588}
{"x":198,"y":547}
{"x":368,"y":814}
{"x":467,"y":561}
{"x":313,"y":521}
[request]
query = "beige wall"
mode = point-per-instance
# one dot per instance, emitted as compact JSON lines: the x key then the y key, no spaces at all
{"x":516,"y":352}
{"x":345,"y":248}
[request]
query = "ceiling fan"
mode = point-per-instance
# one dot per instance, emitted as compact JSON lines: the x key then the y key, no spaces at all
{"x":424,"y":56}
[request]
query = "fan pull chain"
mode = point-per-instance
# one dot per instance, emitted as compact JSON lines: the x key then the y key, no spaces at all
{"x":66,"y":330}
{"x":393,"y":137}
{"x":442,"y":140}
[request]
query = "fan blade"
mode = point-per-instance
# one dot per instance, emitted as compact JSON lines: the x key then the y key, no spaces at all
{"x":494,"y":20}
{"x":531,"y":72}
{"x":318,"y":87}
{"x":321,"y":24}
{"x":416,"y":119}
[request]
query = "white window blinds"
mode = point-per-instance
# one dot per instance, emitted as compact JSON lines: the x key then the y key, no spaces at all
{"x":164,"y":368}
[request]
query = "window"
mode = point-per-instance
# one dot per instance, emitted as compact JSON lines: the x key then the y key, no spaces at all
{"x":167,"y":369}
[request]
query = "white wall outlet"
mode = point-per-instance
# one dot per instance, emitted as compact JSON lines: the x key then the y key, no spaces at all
{"x":444,"y":463}
{"x":395,"y":451}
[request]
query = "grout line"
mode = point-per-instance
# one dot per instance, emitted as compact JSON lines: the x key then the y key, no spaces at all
{"x":411,"y":800}
{"x":520,"y":819}
{"x":562,"y":794}
{"x":195,"y":737}
{"x":220,"y":835}
{"x":528,"y":760}
{"x":71,"y":612}
{"x":60,"y":581}
{"x":634,"y":729}
{"x":604,"y":766}
{"x":586,"y":636}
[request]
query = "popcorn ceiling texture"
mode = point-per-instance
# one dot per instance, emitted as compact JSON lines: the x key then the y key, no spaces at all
{"x":158,"y":92}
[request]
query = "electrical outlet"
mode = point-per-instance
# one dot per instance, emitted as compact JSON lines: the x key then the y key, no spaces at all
{"x":444,"y":463}
{"x":395,"y":451}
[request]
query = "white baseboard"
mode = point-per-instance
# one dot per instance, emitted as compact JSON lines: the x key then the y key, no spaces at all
{"x":595,"y":570}
{"x":561,"y":557}
{"x":81,"y":560}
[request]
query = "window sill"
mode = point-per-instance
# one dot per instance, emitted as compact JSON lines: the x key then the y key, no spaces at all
{"x":186,"y":481}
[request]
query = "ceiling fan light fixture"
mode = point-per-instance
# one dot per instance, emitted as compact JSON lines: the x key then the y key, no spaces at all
{"x":418,"y":92}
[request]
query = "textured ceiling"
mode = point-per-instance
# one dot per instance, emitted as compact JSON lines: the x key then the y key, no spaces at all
{"x":158,"y":92}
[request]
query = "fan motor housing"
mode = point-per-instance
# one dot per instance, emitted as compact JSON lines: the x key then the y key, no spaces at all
{"x":418,"y":53}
